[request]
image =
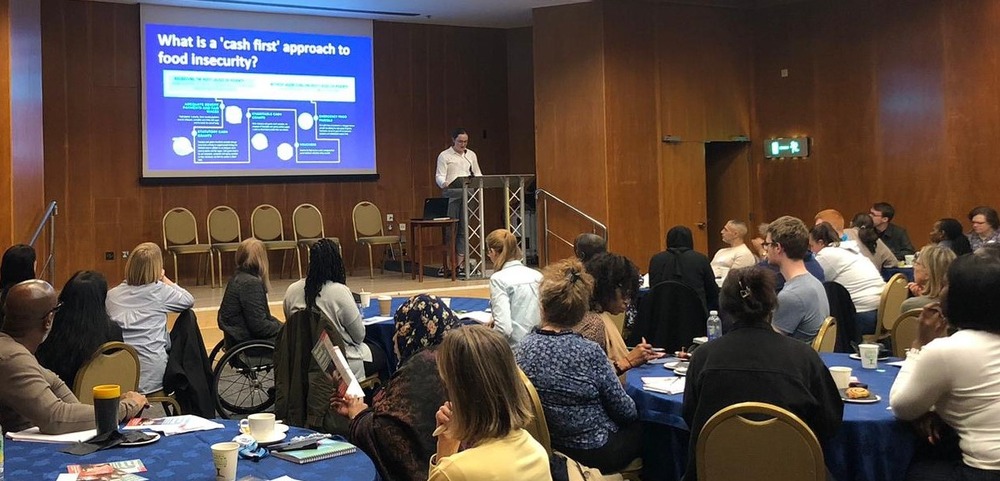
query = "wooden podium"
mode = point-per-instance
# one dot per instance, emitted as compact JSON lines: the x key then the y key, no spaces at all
{"x":514,"y":187}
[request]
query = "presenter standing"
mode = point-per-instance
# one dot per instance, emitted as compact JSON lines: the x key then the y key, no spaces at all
{"x":454,"y":162}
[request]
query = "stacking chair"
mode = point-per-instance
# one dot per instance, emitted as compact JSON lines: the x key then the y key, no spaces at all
{"x":826,"y":338}
{"x":368,"y":231}
{"x":735,"y":445}
{"x":224,"y":232}
{"x":180,"y":236}
{"x":904,"y":331}
{"x":267,"y":226}
{"x":114,"y":363}
{"x":307,"y":224}
{"x":893,"y":295}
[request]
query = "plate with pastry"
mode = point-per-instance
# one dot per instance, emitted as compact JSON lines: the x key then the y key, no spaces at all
{"x":859,"y":395}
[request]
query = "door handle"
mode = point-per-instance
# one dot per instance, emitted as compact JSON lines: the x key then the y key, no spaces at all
{"x":701,"y":225}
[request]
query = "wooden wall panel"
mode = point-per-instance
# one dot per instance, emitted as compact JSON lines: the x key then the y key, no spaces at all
{"x":520,"y":101}
{"x":428,"y":80}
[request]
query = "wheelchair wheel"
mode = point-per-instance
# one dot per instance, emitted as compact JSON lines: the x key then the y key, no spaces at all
{"x":216,"y":352}
{"x":244,"y":379}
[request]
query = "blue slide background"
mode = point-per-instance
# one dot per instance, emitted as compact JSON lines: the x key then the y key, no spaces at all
{"x":357,"y":148}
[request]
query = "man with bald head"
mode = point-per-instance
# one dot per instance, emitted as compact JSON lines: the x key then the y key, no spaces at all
{"x":588,"y":245}
{"x":31,"y":395}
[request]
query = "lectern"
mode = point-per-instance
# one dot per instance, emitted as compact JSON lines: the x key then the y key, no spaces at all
{"x":472,"y":213}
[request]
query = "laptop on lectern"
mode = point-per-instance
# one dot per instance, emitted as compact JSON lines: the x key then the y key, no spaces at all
{"x":435,"y":208}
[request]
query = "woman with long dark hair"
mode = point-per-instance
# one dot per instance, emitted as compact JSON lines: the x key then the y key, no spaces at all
{"x":81,"y":325}
{"x":949,"y":233}
{"x":871,"y":247}
{"x":325,"y":288}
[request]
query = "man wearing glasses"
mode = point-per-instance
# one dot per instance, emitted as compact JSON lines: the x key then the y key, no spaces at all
{"x":31,"y":395}
{"x":894,"y":236}
{"x":802,"y":303}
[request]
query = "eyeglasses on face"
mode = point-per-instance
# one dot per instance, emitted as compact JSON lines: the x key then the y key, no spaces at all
{"x":54,"y":309}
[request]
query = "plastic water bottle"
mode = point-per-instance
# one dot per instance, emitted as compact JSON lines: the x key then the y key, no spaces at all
{"x":714,"y":325}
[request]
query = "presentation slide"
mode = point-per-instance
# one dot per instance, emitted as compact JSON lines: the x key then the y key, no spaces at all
{"x":223,"y":102}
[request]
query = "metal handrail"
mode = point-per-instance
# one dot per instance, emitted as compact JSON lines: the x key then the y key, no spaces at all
{"x":50,"y":259}
{"x":544,"y":195}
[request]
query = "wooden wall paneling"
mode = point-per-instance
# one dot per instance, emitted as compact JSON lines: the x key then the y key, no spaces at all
{"x":7,"y":235}
{"x":25,"y":113}
{"x":727,"y":181}
{"x":520,"y":101}
{"x":633,"y":138}
{"x":570,"y":128}
{"x":911,"y":115}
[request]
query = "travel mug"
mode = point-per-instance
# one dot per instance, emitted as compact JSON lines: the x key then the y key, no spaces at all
{"x":106,"y":398}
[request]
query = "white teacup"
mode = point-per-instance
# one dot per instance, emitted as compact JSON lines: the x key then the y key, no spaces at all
{"x":366,"y":298}
{"x":841,"y":376}
{"x":260,"y":425}
{"x":908,"y":259}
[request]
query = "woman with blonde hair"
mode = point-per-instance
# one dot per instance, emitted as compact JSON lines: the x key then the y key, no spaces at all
{"x":590,"y":417}
{"x":487,"y":410}
{"x":140,"y":305}
{"x":930,"y":276}
{"x":513,"y":288}
{"x":244,"y":314}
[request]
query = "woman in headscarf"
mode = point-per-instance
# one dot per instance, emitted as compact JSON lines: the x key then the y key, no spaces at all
{"x":396,"y":430}
{"x":681,"y":263}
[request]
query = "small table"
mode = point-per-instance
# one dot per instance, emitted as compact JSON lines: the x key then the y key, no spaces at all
{"x":417,"y":246}
{"x":183,"y":457}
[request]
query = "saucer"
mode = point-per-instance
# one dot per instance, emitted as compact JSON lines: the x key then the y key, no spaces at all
{"x":881,"y":357}
{"x":155,"y":437}
{"x":276,"y":436}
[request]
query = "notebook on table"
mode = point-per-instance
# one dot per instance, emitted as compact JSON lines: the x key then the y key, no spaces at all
{"x":327,"y":448}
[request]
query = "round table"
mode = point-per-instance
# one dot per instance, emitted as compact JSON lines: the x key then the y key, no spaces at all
{"x":380,"y":332}
{"x":183,"y":457}
{"x":871,"y":444}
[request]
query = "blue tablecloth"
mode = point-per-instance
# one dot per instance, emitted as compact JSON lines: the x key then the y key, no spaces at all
{"x":871,"y":444}
{"x":182,"y":457}
{"x":888,"y":272}
{"x":380,"y":333}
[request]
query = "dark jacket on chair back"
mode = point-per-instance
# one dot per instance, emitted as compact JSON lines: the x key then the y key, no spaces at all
{"x":189,"y":373}
{"x":670,"y":316}
{"x":842,"y":309}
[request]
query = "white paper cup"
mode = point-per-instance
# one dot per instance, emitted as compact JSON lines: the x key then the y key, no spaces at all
{"x":841,"y":376}
{"x":446,"y":301}
{"x":366,"y":299}
{"x":260,"y":425}
{"x":224,"y":457}
{"x":384,"y":305}
{"x":869,"y":355}
{"x":908,"y":259}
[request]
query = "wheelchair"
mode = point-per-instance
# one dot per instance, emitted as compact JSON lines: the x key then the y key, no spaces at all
{"x":243,"y":378}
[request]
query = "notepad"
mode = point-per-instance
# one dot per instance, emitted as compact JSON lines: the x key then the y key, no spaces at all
{"x":328,"y":448}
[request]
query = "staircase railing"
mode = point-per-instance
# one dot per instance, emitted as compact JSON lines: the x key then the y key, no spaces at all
{"x":50,"y":259}
{"x":597,"y":227}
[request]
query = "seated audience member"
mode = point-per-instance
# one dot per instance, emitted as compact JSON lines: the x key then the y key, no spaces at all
{"x":850,"y":238}
{"x":802,"y":303}
{"x":31,"y":395}
{"x":18,"y":265}
{"x":616,"y":283}
{"x":754,"y":363}
{"x":735,"y":256}
{"x":396,"y":430}
{"x":847,"y":267}
{"x":948,"y":233}
{"x":892,"y":235}
{"x":244,"y":314}
{"x":681,"y":263}
{"x":513,"y":288}
{"x":140,"y":305}
{"x":758,"y":242}
{"x":930,"y":270}
{"x":985,"y":225}
{"x":590,"y":417}
{"x":588,"y":245}
{"x":871,"y":247}
{"x":487,"y":410}
{"x":325,"y":288}
{"x":80,"y":326}
{"x":955,"y":379}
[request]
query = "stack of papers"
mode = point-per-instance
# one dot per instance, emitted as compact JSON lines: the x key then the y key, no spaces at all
{"x":171,"y":425}
{"x":375,"y":320}
{"x":32,"y":435}
{"x":481,"y":317}
{"x":664,"y":385}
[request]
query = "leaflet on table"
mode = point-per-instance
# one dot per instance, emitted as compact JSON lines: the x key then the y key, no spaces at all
{"x":334,"y":364}
{"x":664,"y":385}
{"x":481,"y":317}
{"x":116,"y":470}
{"x":375,"y":320}
{"x":170,"y":425}
{"x":33,"y":435}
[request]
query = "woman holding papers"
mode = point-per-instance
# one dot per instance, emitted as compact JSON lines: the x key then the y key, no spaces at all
{"x":753,"y":362}
{"x":513,"y":288}
{"x":487,"y":410}
{"x":396,"y":431}
{"x":590,"y":417}
{"x":325,"y":288}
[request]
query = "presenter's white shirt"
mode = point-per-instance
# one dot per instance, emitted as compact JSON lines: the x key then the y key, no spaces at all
{"x":452,"y":165}
{"x":846,"y":266}
{"x":729,"y":258}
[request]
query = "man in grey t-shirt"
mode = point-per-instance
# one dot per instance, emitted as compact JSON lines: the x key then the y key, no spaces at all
{"x":802,"y":303}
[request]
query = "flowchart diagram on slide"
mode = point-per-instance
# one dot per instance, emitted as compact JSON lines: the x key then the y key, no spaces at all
{"x":260,"y":118}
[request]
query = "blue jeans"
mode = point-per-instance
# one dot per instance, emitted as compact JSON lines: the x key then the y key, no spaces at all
{"x":866,"y":322}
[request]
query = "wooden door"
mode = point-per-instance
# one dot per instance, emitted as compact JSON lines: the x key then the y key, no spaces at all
{"x":682,"y":189}
{"x":727,"y":181}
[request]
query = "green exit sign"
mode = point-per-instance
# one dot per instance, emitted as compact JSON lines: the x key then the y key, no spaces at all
{"x":786,"y":147}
